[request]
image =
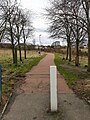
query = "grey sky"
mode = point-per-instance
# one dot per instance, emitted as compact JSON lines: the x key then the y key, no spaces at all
{"x":39,"y":22}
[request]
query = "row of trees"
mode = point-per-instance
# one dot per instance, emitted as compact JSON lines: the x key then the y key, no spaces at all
{"x":70,"y":20}
{"x":15,"y":26}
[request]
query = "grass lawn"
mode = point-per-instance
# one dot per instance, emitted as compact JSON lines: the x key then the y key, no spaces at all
{"x":76,"y":77}
{"x":70,"y":76}
{"x":11,"y":74}
{"x":69,"y":71}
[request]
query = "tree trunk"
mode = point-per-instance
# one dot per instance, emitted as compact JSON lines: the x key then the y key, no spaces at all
{"x":67,"y":51}
{"x":77,"y":44}
{"x":13,"y":52}
{"x":69,"y":48}
{"x":24,"y":45}
{"x":77,"y":53}
{"x":12,"y":42}
{"x":70,"y":53}
{"x":15,"y":56}
{"x":20,"y":54}
{"x":25,"y":51}
{"x":19,"y":47}
{"x":88,"y":50}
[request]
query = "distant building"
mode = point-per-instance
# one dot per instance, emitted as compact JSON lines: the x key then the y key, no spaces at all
{"x":56,"y":44}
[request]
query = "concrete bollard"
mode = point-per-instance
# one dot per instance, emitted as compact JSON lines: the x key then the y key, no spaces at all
{"x":53,"y":88}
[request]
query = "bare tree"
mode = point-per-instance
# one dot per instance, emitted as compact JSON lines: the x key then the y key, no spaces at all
{"x":8,"y":8}
{"x":86,"y":7}
{"x":77,"y":27}
{"x":19,"y":29}
{"x":27,"y":28}
{"x":66,"y":20}
{"x":60,"y":25}
{"x":10,"y":12}
{"x":14,"y":25}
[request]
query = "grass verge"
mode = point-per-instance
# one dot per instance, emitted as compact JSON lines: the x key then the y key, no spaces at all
{"x":70,"y":76}
{"x":69,"y":71}
{"x":12,"y":74}
{"x":77,"y":78}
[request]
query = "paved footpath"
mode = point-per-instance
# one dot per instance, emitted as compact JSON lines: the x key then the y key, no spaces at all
{"x":32,"y":98}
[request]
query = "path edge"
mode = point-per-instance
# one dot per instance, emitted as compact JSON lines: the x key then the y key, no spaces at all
{"x":6,"y":105}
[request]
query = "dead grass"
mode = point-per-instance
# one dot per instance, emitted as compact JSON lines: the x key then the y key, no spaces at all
{"x":82,"y":89}
{"x":77,"y":77}
{"x":31,"y":53}
{"x":4,"y":53}
{"x":83,"y":59}
{"x":11,"y":72}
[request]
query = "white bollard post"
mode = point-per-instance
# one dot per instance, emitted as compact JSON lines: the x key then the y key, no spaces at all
{"x":53,"y":88}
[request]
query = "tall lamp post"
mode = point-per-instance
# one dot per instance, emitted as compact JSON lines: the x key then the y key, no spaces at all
{"x":40,"y":42}
{"x":40,"y":39}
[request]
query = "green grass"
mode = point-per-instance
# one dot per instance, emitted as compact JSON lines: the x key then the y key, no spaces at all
{"x":71,"y":75}
{"x":7,"y":87}
{"x":23,"y":66}
{"x":11,"y":71}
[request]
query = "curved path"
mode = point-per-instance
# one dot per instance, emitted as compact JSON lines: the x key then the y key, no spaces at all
{"x":32,"y":100}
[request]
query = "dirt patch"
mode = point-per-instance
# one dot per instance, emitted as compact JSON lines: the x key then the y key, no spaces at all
{"x":75,"y":68}
{"x":82,"y":89}
{"x":82,"y":86}
{"x":19,"y":80}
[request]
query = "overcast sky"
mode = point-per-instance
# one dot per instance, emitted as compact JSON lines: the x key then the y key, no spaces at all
{"x":39,"y":21}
